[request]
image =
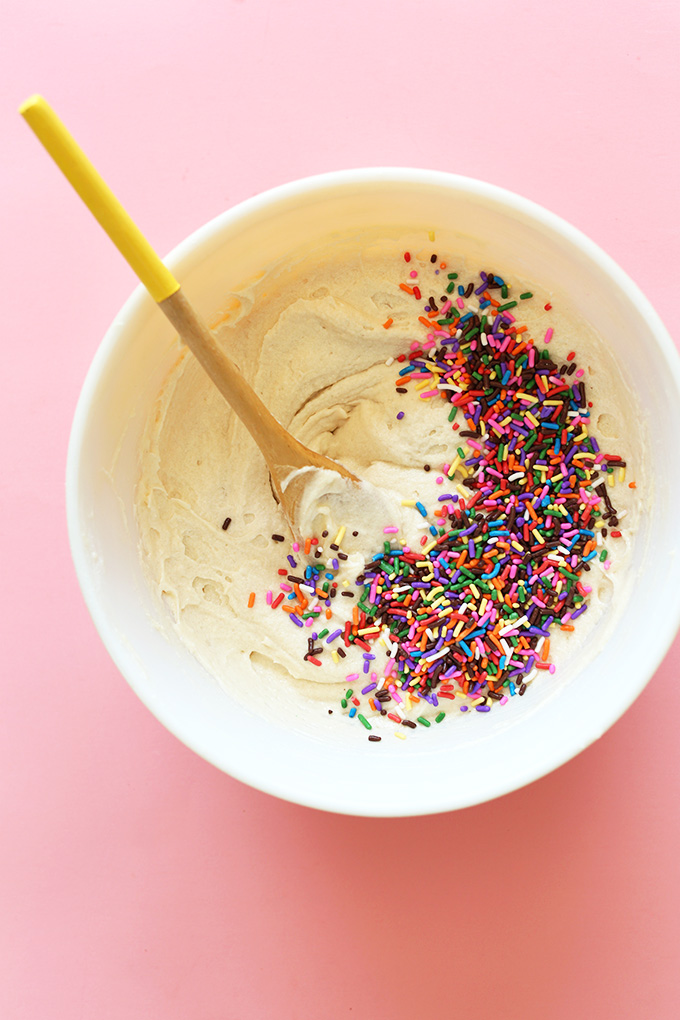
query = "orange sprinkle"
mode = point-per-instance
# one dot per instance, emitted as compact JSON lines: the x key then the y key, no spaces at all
{"x":425,"y":322}
{"x":545,"y":650}
{"x":404,"y":286}
{"x":329,"y":614}
{"x":355,"y":615}
{"x":632,"y":485}
{"x":308,"y":546}
{"x":566,"y":626}
{"x":251,"y":600}
{"x":387,"y":323}
{"x":442,"y":265}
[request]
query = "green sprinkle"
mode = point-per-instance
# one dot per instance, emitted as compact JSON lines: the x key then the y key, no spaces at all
{"x":423,"y":721}
{"x":349,"y":693}
{"x":452,"y":276}
{"x":365,"y":722}
{"x":451,"y":287}
{"x":504,"y":291}
{"x":322,"y":633}
{"x":343,"y":702}
{"x":527,"y":294}
{"x":508,"y":304}
{"x":442,"y":715}
{"x":452,"y":413}
{"x":603,"y":556}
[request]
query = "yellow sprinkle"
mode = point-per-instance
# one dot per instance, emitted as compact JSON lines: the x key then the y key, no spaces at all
{"x":527,"y":398}
{"x":459,"y":694}
{"x":611,"y":480}
{"x":428,"y":548}
{"x":537,"y":535}
{"x":335,"y":657}
{"x":517,"y":546}
{"x":477,"y":701}
{"x":340,"y":535}
{"x":369,"y":630}
{"x":598,"y":524}
{"x":474,"y":590}
{"x":534,"y":421}
{"x":552,"y":403}
{"x":462,"y":492}
{"x":423,"y":383}
{"x":400,"y":733}
{"x":454,"y":465}
{"x":622,"y":474}
{"x":458,"y":628}
{"x":431,"y":235}
{"x":579,"y":439}
{"x":408,"y":502}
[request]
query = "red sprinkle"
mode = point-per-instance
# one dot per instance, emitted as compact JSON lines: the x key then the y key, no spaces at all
{"x":571,"y":355}
{"x":407,"y":256}
{"x":311,"y":658}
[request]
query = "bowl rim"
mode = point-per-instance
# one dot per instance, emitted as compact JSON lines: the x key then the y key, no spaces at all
{"x":335,"y":801}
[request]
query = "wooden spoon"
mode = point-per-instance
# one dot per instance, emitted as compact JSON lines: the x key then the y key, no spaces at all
{"x":282,"y":452}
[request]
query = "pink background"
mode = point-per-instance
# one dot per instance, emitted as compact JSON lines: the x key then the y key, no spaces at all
{"x":137,"y":881}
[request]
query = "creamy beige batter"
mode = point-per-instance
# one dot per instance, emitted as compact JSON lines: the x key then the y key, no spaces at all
{"x":310,"y":339}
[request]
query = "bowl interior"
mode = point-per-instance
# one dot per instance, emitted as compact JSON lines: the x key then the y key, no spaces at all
{"x":454,"y":766}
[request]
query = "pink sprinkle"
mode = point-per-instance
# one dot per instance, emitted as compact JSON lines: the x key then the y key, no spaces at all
{"x":503,"y":700}
{"x":352,"y":676}
{"x":460,"y":302}
{"x":413,"y":274}
{"x":579,"y":373}
{"x":310,"y":622}
{"x":439,"y":479}
{"x":285,"y":587}
{"x":549,"y":335}
{"x":389,"y":668}
{"x":552,"y":667}
{"x":445,"y":307}
{"x":397,"y":697}
{"x":269,"y":598}
{"x":296,"y":547}
{"x":607,"y":564}
{"x":428,"y":393}
{"x":391,"y":530}
{"x":415,"y":345}
{"x":430,"y":343}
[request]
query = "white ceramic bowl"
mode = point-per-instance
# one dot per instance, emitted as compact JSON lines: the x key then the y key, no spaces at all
{"x":451,"y":767}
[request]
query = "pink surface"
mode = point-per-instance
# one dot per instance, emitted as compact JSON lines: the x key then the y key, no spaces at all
{"x":136,"y":880}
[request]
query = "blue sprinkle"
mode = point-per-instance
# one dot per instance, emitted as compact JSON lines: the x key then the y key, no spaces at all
{"x":352,"y":711}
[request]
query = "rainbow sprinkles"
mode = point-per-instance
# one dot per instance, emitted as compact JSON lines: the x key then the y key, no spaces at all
{"x":463,"y":622}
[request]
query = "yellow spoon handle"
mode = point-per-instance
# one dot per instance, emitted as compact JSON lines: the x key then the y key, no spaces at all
{"x":99,"y":198}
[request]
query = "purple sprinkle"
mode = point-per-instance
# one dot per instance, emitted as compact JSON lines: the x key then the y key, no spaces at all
{"x":399,"y":417}
{"x":367,"y":666}
{"x":291,"y":561}
{"x":483,"y":708}
{"x":447,"y":495}
{"x":463,"y":708}
{"x":333,"y":636}
{"x":293,"y":617}
{"x":367,"y":690}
